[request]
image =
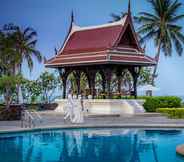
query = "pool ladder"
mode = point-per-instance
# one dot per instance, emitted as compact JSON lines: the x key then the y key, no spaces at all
{"x":30,"y":118}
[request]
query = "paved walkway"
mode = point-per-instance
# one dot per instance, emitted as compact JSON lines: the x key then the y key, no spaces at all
{"x":52,"y":119}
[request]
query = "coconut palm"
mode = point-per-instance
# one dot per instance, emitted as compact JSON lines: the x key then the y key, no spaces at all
{"x":117,"y":17}
{"x":24,"y":44}
{"x":8,"y":56}
{"x":162,"y":26}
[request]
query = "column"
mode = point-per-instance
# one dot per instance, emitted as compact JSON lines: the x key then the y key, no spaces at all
{"x":135,"y":71}
{"x":108,"y":76}
{"x":92,"y":76}
{"x":119,"y":77}
{"x":77,"y":75}
{"x":64,"y":87}
{"x":64,"y":74}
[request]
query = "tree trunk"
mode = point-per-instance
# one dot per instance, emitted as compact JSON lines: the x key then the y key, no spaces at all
{"x":18,"y":71}
{"x":7,"y":97}
{"x":156,"y":66}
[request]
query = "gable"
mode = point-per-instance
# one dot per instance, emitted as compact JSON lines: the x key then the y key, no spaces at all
{"x":128,"y":37}
{"x":128,"y":40}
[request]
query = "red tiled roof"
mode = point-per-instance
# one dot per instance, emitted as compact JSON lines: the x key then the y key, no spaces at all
{"x":92,"y":39}
{"x":94,"y":45}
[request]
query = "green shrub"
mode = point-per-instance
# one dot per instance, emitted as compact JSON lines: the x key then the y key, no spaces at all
{"x":153,"y":103}
{"x":176,"y":113}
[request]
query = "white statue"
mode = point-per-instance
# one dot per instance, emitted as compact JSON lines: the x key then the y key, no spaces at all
{"x":68,"y":109}
{"x":78,"y":111}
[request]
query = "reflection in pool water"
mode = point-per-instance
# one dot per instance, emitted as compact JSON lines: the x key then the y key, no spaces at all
{"x":92,"y":145}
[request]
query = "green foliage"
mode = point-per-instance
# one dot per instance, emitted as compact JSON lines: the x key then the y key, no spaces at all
{"x":8,"y":87}
{"x":177,"y":113}
{"x":16,"y":45}
{"x":83,"y":81}
{"x":145,"y":76}
{"x":41,"y":89}
{"x":153,"y":103}
{"x":48,"y":83}
{"x":161,"y":25}
{"x":23,"y":43}
{"x":8,"y":55}
{"x":31,"y":91}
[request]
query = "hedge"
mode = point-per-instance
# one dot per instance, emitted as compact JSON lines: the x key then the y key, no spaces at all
{"x":177,"y":113}
{"x":153,"y":103}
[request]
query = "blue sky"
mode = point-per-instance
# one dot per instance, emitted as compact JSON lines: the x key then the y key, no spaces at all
{"x":51,"y":18}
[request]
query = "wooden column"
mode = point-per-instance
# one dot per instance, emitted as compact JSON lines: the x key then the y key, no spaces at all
{"x":64,"y":80}
{"x":91,"y":75}
{"x":135,"y":71}
{"x":77,"y":75}
{"x":64,"y":74}
{"x":103,"y":81}
{"x":119,"y":77}
{"x":108,"y":78}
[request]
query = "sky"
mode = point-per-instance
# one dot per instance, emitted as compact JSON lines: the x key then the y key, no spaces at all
{"x":51,"y":19}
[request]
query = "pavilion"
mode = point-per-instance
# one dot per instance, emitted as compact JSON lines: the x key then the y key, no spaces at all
{"x":107,"y":49}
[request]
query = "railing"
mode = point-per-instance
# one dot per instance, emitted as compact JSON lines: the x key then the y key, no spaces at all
{"x":30,"y":118}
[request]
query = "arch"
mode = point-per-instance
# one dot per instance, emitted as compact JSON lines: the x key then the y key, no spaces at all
{"x":71,"y":82}
{"x":127,"y":82}
{"x":98,"y":83}
{"x":64,"y":75}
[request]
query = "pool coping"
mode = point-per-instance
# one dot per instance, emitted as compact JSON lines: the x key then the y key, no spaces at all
{"x":79,"y":126}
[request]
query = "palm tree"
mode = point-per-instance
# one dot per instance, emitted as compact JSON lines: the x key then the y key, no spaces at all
{"x":162,"y":27}
{"x":8,"y":56}
{"x":25,"y":45}
{"x":117,"y":17}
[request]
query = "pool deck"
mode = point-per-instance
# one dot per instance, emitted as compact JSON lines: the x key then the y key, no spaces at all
{"x":55,"y":120}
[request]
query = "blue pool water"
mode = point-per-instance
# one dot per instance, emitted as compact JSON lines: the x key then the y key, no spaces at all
{"x":92,"y":145}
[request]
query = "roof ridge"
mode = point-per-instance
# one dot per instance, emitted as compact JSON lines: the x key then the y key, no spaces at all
{"x":77,"y":28}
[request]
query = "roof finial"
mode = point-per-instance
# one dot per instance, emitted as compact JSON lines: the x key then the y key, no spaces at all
{"x":71,"y":21}
{"x":72,"y":17}
{"x":129,"y":7}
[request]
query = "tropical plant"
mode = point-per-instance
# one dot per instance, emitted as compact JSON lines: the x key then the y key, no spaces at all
{"x":162,"y":26}
{"x":145,"y":76}
{"x":8,"y":56}
{"x":25,"y":41}
{"x":117,"y":17}
{"x":23,"y":44}
{"x":48,"y":82}
{"x":73,"y":84}
{"x":31,"y":91}
{"x":8,"y":87}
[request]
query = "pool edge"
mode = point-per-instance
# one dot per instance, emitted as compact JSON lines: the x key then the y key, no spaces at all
{"x":143,"y":126}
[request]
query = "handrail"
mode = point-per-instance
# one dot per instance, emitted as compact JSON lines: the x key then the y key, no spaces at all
{"x":38,"y":115}
{"x":28,"y":118}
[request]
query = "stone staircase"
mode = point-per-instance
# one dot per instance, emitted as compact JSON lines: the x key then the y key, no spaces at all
{"x":138,"y":108}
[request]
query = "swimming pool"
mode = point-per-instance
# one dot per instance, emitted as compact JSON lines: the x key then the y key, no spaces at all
{"x":92,"y":145}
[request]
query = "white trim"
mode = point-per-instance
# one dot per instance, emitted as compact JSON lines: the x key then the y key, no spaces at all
{"x":127,"y":48}
{"x":125,"y":52}
{"x":116,"y":23}
{"x":84,"y":53}
{"x":133,"y":56}
{"x":79,"y":62}
{"x":143,"y":62}
{"x":141,"y":56}
{"x":60,"y":58}
{"x":75,"y":62}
